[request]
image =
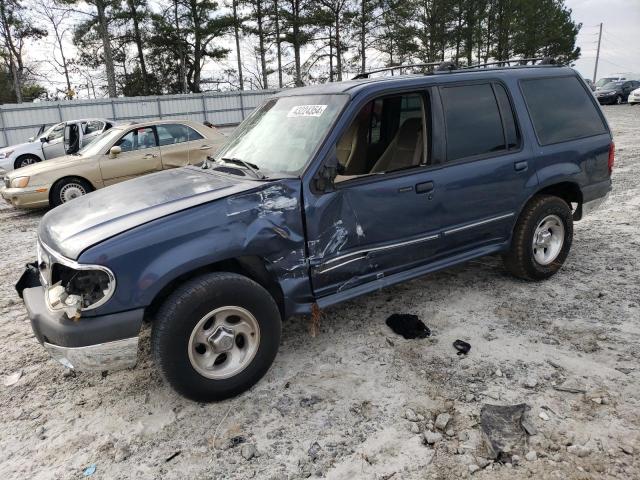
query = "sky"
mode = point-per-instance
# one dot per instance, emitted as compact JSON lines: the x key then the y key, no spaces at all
{"x":619,"y":51}
{"x":620,"y":45}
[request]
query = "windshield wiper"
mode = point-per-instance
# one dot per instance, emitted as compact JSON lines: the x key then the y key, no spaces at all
{"x":252,"y":167}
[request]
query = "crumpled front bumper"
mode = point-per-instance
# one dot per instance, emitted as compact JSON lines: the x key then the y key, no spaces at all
{"x":106,"y":342}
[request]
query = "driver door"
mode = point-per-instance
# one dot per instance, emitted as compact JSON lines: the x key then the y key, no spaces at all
{"x":140,"y":155}
{"x":54,"y":145}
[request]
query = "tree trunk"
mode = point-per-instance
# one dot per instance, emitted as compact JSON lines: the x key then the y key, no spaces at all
{"x":295,"y":11}
{"x":183,"y":67}
{"x":278,"y":46}
{"x":338,"y":47}
{"x":15,"y":72}
{"x":236,"y":30}
{"x":138,"y":41}
{"x":330,"y":55}
{"x":106,"y":45}
{"x":363,"y":32}
{"x":263,"y":53}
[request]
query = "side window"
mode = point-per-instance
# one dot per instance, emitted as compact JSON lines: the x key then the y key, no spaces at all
{"x":170,"y":134}
{"x":93,"y":126}
{"x":138,"y":139}
{"x":57,"y":132}
{"x":388,"y":134}
{"x":472,"y":121}
{"x":561,"y":109}
{"x":511,"y":131}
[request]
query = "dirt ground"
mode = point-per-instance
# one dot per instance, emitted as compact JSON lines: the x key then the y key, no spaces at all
{"x":354,"y":401}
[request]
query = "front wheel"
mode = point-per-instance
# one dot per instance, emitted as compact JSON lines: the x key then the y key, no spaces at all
{"x":619,"y":100}
{"x":25,"y":161}
{"x":541,"y":239}
{"x":216,"y":336}
{"x":67,"y":189}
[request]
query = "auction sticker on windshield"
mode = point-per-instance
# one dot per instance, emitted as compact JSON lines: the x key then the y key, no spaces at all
{"x":306,"y":111}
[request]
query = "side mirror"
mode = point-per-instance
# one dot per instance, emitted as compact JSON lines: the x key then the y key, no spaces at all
{"x":44,"y":139}
{"x":115,"y":151}
{"x":325,"y":177}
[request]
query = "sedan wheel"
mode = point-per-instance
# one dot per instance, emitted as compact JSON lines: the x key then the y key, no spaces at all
{"x":70,"y":191}
{"x":26,"y":161}
{"x":619,"y":100}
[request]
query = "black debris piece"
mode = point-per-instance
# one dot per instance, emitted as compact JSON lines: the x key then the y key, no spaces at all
{"x":172,"y":456}
{"x":407,"y":325}
{"x":503,"y":431}
{"x":237,"y":440}
{"x":462,"y":347}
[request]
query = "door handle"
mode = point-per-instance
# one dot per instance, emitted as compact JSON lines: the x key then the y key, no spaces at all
{"x":150,"y":155}
{"x":520,"y":166}
{"x":205,"y":147}
{"x":424,"y":187}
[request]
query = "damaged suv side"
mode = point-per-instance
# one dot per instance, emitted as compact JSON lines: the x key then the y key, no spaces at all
{"x":323,"y":194}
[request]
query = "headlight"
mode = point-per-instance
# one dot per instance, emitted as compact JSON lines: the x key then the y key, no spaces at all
{"x":5,"y":154}
{"x":19,"y":182}
{"x":73,"y":287}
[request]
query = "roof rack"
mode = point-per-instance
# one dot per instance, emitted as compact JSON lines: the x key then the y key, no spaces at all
{"x":451,"y":67}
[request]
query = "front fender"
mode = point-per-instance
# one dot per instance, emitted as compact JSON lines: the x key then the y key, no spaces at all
{"x":266,"y":223}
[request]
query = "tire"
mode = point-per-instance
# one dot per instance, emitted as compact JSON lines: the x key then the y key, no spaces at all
{"x":535,"y":253}
{"x":185,"y":317}
{"x":25,"y":160}
{"x":67,"y":189}
{"x":619,"y":100}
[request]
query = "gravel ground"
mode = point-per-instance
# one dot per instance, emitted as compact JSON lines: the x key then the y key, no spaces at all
{"x":354,"y":401}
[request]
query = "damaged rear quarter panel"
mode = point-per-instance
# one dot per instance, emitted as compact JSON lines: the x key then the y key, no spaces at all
{"x":265,"y":222}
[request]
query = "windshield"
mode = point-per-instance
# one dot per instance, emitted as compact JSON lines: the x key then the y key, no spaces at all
{"x":604,"y":81}
{"x":611,"y":85}
{"x":101,"y":143}
{"x":283,"y":133}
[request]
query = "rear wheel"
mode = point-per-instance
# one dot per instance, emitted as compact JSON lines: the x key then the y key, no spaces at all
{"x":541,"y":239}
{"x":68,"y":189}
{"x":216,"y":336}
{"x":25,"y":160}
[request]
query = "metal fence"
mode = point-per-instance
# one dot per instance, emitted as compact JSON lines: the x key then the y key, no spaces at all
{"x":21,"y":121}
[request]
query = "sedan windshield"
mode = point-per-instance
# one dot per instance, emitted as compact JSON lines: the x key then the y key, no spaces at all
{"x":611,"y":85}
{"x":101,"y":143}
{"x":604,"y":81}
{"x":283,"y":133}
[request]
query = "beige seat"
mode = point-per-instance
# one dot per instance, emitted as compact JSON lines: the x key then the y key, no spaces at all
{"x":352,"y":148}
{"x":405,"y":150}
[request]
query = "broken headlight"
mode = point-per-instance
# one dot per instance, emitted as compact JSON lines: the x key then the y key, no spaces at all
{"x":78,"y":288}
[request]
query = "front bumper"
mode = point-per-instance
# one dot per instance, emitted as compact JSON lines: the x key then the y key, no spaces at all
{"x":29,"y":197}
{"x":633,"y":99}
{"x":106,"y":342}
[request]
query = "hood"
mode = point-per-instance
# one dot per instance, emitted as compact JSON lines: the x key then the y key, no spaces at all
{"x":11,"y":148}
{"x":75,"y":226}
{"x":48,"y":166}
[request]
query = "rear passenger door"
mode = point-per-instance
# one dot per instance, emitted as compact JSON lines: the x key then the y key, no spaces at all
{"x":181,"y":145}
{"x":487,"y":173}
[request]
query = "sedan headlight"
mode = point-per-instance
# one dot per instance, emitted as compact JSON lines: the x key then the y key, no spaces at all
{"x":72,"y":287}
{"x":5,"y":154}
{"x":19,"y":182}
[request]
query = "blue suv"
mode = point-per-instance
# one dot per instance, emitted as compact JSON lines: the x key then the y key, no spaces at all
{"x":323,"y":194}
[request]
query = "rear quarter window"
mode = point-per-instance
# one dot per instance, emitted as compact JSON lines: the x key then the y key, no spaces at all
{"x":561,"y":109}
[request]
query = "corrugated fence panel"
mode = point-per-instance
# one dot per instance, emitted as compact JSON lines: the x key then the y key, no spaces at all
{"x":19,"y":122}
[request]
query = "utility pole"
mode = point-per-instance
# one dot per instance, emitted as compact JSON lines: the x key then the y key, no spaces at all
{"x":595,"y":70}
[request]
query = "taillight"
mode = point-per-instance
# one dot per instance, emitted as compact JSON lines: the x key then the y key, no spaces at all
{"x":612,"y":154}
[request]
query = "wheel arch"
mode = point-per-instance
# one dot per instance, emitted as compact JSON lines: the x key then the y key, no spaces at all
{"x":567,"y":190}
{"x":26,"y":154}
{"x":251,"y":266}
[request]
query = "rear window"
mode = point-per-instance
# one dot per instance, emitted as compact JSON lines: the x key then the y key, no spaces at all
{"x":473,"y":122}
{"x":561,"y":109}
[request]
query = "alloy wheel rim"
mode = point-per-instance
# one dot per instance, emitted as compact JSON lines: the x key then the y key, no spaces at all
{"x":71,"y":191}
{"x":27,"y":161}
{"x":548,"y":240}
{"x":224,"y":342}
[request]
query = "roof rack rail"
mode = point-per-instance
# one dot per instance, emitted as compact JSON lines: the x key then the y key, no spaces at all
{"x":395,"y":67}
{"x":441,"y":67}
